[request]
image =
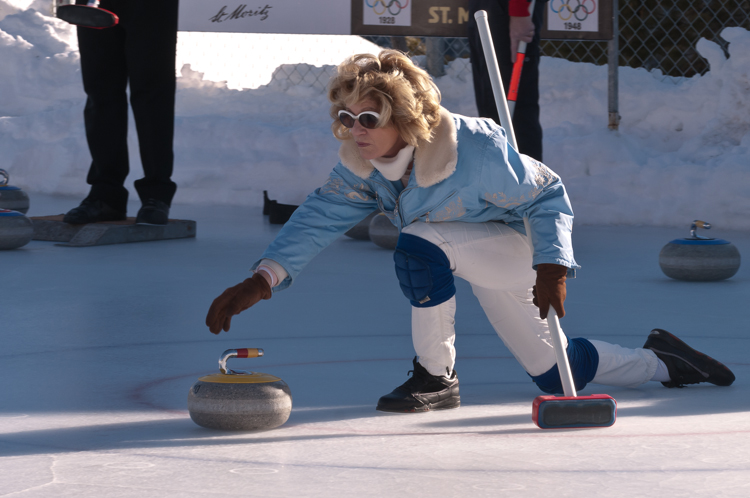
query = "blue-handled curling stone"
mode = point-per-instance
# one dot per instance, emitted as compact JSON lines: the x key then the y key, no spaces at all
{"x":699,"y":259}
{"x":238,"y":400}
{"x":16,"y":230}
{"x":11,"y":197}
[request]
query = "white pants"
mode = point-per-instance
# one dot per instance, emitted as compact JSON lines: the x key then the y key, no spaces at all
{"x":496,"y":261}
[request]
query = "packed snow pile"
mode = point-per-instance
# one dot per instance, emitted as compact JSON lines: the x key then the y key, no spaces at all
{"x":682,"y":151}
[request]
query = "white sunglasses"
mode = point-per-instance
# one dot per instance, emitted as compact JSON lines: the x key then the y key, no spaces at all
{"x":368,"y":119}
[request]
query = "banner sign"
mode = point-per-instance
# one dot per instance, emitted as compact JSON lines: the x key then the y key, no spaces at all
{"x":315,"y":17}
{"x":447,"y":18}
{"x":578,"y":20}
{"x":564,"y":19}
{"x":386,"y":13}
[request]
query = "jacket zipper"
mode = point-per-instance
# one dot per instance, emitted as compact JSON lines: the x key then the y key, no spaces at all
{"x":395,"y":199}
{"x":400,"y":212}
{"x":427,"y":214}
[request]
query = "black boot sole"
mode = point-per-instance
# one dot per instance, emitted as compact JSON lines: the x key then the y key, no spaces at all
{"x":82,"y":219}
{"x":446,"y":404}
{"x":662,"y":342}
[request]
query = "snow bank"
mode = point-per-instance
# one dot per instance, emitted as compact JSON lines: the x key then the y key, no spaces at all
{"x":681,"y":153}
{"x":682,"y":150}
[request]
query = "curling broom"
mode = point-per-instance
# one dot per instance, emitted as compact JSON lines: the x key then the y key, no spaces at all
{"x":88,"y":16}
{"x":570,"y":411}
{"x":548,"y":412}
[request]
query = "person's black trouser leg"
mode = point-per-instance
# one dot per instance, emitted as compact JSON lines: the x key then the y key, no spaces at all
{"x":526,"y":124}
{"x":140,"y":51}
{"x":104,"y":74}
{"x":150,"y":51}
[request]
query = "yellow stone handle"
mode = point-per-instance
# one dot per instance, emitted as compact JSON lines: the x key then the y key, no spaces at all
{"x":702,"y":224}
{"x":696,"y":225}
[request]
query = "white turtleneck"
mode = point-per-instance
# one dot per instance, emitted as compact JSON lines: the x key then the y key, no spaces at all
{"x":393,"y":168}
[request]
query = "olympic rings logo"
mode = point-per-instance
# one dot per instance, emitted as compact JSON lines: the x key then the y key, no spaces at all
{"x":390,"y":6}
{"x":580,"y":11}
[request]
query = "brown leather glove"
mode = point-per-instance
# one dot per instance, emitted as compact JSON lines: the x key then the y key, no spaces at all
{"x":235,"y":300}
{"x":550,"y":289}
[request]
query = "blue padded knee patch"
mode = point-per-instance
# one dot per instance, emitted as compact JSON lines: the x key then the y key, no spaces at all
{"x":583,"y":359}
{"x":423,"y":271}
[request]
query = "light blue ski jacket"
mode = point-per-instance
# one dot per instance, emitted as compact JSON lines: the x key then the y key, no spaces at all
{"x":468,"y":173}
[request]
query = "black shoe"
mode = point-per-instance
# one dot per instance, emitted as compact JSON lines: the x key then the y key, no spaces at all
{"x":422,"y":392}
{"x":686,"y":365}
{"x":153,"y":212}
{"x":91,"y":211}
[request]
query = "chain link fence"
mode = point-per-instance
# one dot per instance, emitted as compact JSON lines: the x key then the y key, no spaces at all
{"x":661,"y":35}
{"x":654,"y":34}
{"x":251,"y":60}
{"x":658,"y":35}
{"x":432,"y":53}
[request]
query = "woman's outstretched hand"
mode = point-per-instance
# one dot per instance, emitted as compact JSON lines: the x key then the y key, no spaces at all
{"x":235,"y":300}
{"x":550,"y":289}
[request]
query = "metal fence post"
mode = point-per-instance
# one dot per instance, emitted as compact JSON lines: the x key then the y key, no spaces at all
{"x":435,"y":52}
{"x":613,"y":55}
{"x":399,"y":43}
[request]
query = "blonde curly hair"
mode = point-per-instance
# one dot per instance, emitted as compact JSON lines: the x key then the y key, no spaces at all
{"x":406,"y":95}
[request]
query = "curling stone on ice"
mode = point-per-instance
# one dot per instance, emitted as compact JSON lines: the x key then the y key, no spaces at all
{"x":16,"y":230}
{"x":383,"y":233}
{"x":11,"y":197}
{"x":278,"y":213}
{"x":237,"y":400}
{"x":697,"y":258}
{"x":361,"y":231}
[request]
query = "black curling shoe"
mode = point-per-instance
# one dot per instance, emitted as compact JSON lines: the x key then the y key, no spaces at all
{"x":422,"y":392}
{"x":92,"y":211}
{"x":153,"y":212}
{"x":686,"y":365}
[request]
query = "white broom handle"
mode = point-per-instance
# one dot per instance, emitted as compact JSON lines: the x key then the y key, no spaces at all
{"x":555,"y":331}
{"x":497,"y":83}
{"x":566,"y":376}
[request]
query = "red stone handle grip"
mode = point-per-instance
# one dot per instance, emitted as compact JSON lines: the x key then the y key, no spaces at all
{"x":237,"y":353}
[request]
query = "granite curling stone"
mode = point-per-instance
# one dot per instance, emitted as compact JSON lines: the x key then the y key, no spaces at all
{"x":382,"y":232}
{"x":11,"y":197}
{"x":238,"y":400}
{"x":16,"y":230}
{"x":699,"y":259}
{"x":361,"y":231}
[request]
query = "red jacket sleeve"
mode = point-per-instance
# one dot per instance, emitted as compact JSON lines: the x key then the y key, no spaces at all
{"x":518,"y":8}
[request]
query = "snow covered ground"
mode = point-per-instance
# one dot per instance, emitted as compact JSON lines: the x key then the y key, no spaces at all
{"x":100,"y":345}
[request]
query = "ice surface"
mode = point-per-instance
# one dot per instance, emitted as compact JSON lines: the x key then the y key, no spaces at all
{"x":100,"y":346}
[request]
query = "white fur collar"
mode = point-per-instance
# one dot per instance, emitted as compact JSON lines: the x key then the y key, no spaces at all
{"x":433,"y":161}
